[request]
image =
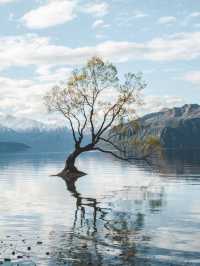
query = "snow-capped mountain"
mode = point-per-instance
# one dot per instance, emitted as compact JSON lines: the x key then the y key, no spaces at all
{"x":5,"y":129}
{"x":24,"y":124}
{"x":39,"y":136}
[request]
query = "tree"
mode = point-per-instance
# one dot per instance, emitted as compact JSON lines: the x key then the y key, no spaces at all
{"x":94,"y":101}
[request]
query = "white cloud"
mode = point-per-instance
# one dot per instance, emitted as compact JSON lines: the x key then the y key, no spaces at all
{"x":167,"y":20}
{"x":34,"y":50}
{"x":46,"y":74}
{"x":155,"y":103}
{"x":195,"y":14}
{"x":97,"y":9}
{"x":99,"y":24}
{"x":18,"y":96}
{"x":53,"y":13}
{"x":24,"y":98}
{"x":193,"y":77}
{"x":53,"y":64}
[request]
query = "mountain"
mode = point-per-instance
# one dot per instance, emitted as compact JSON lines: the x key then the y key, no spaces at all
{"x":40,"y":137}
{"x":10,"y":147}
{"x":177,"y":128}
{"x":23,"y":124}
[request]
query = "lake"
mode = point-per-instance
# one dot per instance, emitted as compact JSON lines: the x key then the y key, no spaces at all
{"x":118,"y":214}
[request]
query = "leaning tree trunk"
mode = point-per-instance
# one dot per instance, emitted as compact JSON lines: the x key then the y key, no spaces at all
{"x":70,"y":171}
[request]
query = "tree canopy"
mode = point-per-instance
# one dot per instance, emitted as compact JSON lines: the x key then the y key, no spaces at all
{"x":94,"y":101}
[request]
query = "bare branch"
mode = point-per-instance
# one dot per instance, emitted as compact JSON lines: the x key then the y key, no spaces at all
{"x":100,"y":132}
{"x":78,"y":122}
{"x":85,"y":103}
{"x":113,"y":144}
{"x":127,"y":159}
{"x":70,"y":121}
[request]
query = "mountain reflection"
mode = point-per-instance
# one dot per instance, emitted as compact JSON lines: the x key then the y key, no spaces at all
{"x":178,"y":162}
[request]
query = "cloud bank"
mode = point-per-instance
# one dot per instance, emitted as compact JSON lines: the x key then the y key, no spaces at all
{"x":35,"y":50}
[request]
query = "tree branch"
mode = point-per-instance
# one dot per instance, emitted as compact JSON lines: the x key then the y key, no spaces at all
{"x":110,"y":123}
{"x":114,"y":145}
{"x":78,"y":122}
{"x":128,"y":159}
{"x":70,"y":121}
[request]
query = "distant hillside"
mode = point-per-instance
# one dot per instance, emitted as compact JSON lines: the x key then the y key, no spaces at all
{"x":177,"y":128}
{"x":7,"y":147}
{"x":21,"y":124}
{"x":40,"y":137}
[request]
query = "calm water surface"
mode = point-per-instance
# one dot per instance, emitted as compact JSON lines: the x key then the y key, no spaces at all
{"x":119,"y":214}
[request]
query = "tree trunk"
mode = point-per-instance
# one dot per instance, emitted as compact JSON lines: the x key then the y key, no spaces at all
{"x":70,"y":162}
{"x":70,"y":171}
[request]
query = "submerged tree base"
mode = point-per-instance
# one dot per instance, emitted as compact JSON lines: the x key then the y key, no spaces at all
{"x":71,"y":174}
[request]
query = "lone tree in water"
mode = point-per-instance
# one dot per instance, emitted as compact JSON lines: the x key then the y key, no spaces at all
{"x":94,"y":101}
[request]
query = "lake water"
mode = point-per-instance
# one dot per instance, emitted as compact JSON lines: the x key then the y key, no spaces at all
{"x":118,"y":214}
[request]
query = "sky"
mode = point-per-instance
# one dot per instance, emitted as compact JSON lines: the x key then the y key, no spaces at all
{"x":41,"y":41}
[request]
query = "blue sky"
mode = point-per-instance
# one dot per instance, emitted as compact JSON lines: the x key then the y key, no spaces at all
{"x":42,"y":40}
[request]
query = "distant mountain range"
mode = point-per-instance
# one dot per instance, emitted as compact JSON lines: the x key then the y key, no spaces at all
{"x":10,"y":147}
{"x":177,"y":128}
{"x":40,"y":137}
{"x":23,"y":124}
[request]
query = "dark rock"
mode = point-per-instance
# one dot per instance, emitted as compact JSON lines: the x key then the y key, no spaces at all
{"x":7,"y":259}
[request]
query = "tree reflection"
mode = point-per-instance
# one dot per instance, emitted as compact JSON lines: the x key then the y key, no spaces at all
{"x":95,"y":212}
{"x":101,"y":235}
